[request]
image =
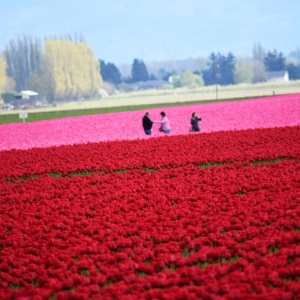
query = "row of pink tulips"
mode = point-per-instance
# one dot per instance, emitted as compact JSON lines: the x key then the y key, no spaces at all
{"x":277,"y":111}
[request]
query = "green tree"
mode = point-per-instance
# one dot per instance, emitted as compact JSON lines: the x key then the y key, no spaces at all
{"x":212,"y":73}
{"x":258,"y":65}
{"x":190,"y":80}
{"x":110,"y":73}
{"x":294,"y":71}
{"x":139,"y":71}
{"x":70,"y":70}
{"x":220,"y":69}
{"x":242,"y":73}
{"x":227,"y":64}
{"x":3,"y":76}
{"x":274,"y":61}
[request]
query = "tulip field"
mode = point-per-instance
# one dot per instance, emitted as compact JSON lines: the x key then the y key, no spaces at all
{"x":118,"y":215}
{"x":268,"y":112}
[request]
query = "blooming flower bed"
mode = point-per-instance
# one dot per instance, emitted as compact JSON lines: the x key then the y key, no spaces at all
{"x":213,"y":216}
{"x":268,"y":112}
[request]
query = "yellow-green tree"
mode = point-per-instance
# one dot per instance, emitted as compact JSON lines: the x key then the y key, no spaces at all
{"x":3,"y":76}
{"x":242,"y":73}
{"x":188,"y":79}
{"x":70,"y":70}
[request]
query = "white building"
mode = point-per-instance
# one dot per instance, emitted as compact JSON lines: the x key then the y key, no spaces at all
{"x":29,"y":95}
{"x":280,"y":76}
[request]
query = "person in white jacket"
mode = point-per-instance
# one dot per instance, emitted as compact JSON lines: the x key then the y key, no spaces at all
{"x":165,"y":124}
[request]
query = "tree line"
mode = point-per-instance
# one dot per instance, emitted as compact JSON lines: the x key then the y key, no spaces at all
{"x":61,"y":68}
{"x":220,"y":69}
{"x":65,"y":68}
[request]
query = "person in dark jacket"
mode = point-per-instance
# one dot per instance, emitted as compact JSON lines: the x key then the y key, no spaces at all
{"x":194,"y":122}
{"x":147,"y":124}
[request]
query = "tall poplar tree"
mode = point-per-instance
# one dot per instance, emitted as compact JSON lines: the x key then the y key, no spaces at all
{"x":258,"y":52}
{"x":258,"y":66}
{"x":70,"y":70}
{"x":23,"y":59}
{"x":3,"y":76}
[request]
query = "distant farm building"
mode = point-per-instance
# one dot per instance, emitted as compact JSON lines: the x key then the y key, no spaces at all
{"x":280,"y":76}
{"x":25,"y":99}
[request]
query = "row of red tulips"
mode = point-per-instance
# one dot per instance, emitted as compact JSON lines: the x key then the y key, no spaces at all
{"x":226,"y":232}
{"x":171,"y":151}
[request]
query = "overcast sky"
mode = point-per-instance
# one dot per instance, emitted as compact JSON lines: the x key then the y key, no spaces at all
{"x":157,"y":30}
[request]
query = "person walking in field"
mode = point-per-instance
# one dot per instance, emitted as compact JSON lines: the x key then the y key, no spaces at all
{"x":165,"y":124}
{"x":147,"y":123}
{"x":194,"y":123}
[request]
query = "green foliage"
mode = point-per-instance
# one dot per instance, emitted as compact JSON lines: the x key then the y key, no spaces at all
{"x":85,"y":273}
{"x":82,"y":174}
{"x":14,"y":287}
{"x":139,"y":71}
{"x":242,"y":73}
{"x":70,"y":70}
{"x":171,"y":268}
{"x":209,"y":165}
{"x":265,"y":162}
{"x":273,"y":250}
{"x":34,"y":283}
{"x":3,"y":77}
{"x":274,"y":61}
{"x":55,"y":175}
{"x":148,"y":170}
{"x":186,"y":253}
{"x":294,"y":71}
{"x":110,"y":73}
{"x":141,"y":274}
{"x":188,"y":79}
{"x":8,"y":97}
{"x":220,"y":69}
{"x":72,"y":289}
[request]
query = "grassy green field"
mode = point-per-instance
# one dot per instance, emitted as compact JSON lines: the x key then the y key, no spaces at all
{"x":141,"y":100}
{"x":48,"y":115}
